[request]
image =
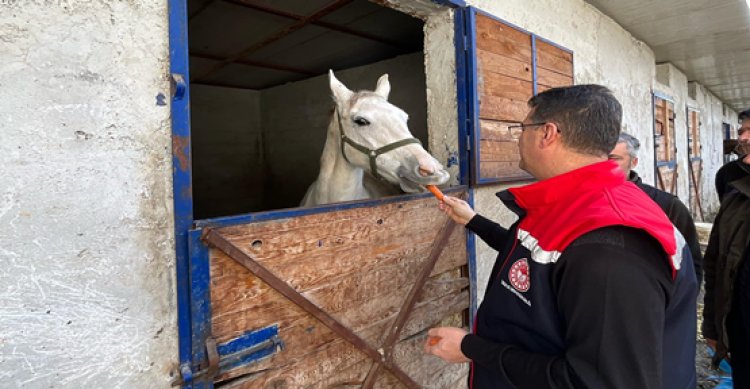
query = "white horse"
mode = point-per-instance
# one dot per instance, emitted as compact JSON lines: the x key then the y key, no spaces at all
{"x":369,"y":151}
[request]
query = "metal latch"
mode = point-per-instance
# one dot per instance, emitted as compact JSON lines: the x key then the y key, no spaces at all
{"x":218,"y":363}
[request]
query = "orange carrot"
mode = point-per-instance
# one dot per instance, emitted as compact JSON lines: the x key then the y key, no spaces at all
{"x":433,"y":340}
{"x":434,"y":189}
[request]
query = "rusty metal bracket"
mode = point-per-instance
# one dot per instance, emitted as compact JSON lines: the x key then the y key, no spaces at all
{"x":215,"y":239}
{"x":398,"y":325}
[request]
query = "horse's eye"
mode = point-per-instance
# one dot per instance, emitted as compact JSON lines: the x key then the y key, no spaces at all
{"x":360,"y":121}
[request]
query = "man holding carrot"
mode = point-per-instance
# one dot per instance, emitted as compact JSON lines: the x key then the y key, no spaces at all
{"x":593,"y":287}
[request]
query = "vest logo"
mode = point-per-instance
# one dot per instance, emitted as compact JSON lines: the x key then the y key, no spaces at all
{"x":519,"y":275}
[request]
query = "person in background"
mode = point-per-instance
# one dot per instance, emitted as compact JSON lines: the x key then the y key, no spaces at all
{"x":625,"y":154}
{"x":726,"y":310}
{"x":592,"y":287}
{"x":740,"y":167}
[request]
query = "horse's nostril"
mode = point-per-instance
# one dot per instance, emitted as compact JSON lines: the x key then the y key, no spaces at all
{"x":425,"y":172}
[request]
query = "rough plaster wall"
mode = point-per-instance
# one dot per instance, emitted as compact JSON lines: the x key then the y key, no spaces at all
{"x":604,"y":53}
{"x":442,"y":110}
{"x":671,"y":82}
{"x":228,"y":166}
{"x":712,"y":149}
{"x":295,"y":119}
{"x":86,"y":235}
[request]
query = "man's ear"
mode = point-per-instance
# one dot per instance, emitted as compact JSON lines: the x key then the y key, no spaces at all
{"x":551,"y":134}
{"x":633,"y":163}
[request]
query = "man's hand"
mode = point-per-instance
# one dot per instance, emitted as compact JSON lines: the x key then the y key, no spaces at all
{"x":445,"y":343}
{"x":457,"y":209}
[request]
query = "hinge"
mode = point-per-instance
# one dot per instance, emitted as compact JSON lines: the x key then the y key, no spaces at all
{"x":466,"y":43}
{"x":468,"y":142}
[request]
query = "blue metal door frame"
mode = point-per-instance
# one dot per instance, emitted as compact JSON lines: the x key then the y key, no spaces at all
{"x":192,"y":262}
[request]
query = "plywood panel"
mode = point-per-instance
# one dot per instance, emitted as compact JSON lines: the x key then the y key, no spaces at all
{"x":358,"y":265}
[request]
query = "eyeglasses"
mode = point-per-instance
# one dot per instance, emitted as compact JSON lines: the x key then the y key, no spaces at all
{"x":524,"y":126}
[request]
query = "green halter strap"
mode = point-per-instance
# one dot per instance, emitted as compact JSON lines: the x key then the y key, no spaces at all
{"x":371,"y":154}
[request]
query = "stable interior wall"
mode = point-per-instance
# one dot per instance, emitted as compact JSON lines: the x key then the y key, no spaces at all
{"x":604,"y":53}
{"x":228,"y":163}
{"x":295,"y":120}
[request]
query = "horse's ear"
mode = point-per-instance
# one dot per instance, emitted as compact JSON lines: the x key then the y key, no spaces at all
{"x":341,"y":93}
{"x":384,"y":87}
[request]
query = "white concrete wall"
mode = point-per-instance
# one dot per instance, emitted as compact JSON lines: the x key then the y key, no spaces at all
{"x":712,"y":137}
{"x":86,"y":236}
{"x":295,"y":120}
{"x":227,"y":145}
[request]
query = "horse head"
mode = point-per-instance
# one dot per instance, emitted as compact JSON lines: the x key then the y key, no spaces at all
{"x":374,"y":136}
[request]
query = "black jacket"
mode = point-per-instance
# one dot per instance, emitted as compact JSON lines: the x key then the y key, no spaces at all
{"x":729,"y":239}
{"x":592,"y":288}
{"x":679,"y":215}
{"x":731,"y":171}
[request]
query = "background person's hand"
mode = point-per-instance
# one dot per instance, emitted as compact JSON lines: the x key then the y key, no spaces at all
{"x":448,"y":345}
{"x":457,"y":209}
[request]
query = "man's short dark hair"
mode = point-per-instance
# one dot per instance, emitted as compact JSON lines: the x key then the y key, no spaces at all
{"x":589,"y":116}
{"x":744,"y":115}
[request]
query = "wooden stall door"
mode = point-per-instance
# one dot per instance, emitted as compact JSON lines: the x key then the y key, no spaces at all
{"x":696,"y":164}
{"x":511,"y":66}
{"x":357,"y":269}
{"x":665,"y":148}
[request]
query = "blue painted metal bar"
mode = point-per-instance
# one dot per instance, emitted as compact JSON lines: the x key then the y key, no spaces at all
{"x":462,"y":81}
{"x":669,"y":164}
{"x":535,"y":85}
{"x":653,"y":132}
{"x":246,"y":341}
{"x":181,"y":176}
{"x":200,"y":301}
{"x":696,"y":159}
{"x":471,"y":256}
{"x":295,"y":212}
{"x":473,"y":93}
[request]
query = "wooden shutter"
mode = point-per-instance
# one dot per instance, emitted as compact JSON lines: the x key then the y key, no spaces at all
{"x":665,"y":149}
{"x":506,"y":67}
{"x":695,"y":163}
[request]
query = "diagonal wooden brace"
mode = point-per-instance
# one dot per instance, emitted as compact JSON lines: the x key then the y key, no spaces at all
{"x":220,"y":242}
{"x":395,"y":330}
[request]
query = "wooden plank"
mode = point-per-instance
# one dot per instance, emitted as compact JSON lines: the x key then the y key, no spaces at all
{"x":553,"y":58}
{"x":505,"y":170}
{"x":493,"y":84}
{"x":502,"y":109}
{"x":241,"y":301}
{"x":499,"y":131}
{"x":490,"y":62}
{"x":553,"y":79}
{"x":499,"y":151}
{"x":503,"y":39}
{"x":553,"y":51}
{"x":320,"y":358}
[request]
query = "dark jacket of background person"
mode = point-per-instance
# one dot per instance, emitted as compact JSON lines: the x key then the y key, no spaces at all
{"x":679,"y":215}
{"x":738,"y":326}
{"x":731,"y":171}
{"x":729,"y":239}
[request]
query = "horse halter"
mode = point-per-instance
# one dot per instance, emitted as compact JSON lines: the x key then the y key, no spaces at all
{"x":371,"y":154}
